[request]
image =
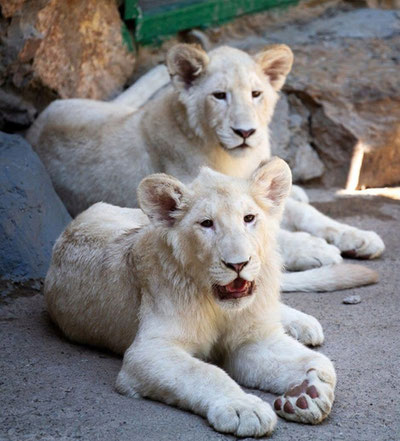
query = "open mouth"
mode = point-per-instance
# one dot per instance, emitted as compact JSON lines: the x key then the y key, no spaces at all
{"x":235,"y":290}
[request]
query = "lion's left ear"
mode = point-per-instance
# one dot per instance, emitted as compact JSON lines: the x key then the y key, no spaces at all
{"x":271,"y":184}
{"x":161,"y":196}
{"x":186,"y":63}
{"x":276,"y":63}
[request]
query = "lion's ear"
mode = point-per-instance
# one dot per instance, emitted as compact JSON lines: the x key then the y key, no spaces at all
{"x":160,"y":196}
{"x":185,"y":63}
{"x":276,"y":63}
{"x":271,"y":183}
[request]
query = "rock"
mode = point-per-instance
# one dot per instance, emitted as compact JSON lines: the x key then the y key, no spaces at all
{"x":307,"y":164}
{"x":11,"y":7}
{"x":53,"y":49}
{"x":352,"y":300}
{"x":15,"y":112}
{"x":290,"y":139}
{"x":334,"y":144}
{"x":279,"y":130}
{"x":343,"y":93}
{"x":31,"y":214}
{"x":346,"y":72}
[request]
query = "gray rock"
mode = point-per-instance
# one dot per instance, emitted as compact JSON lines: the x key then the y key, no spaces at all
{"x":352,"y":300}
{"x":307,"y":164}
{"x":361,"y":24}
{"x":279,"y":130}
{"x":290,"y":139}
{"x":31,"y":214}
{"x":346,"y":72}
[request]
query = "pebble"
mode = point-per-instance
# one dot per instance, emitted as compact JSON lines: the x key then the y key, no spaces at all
{"x":352,"y":300}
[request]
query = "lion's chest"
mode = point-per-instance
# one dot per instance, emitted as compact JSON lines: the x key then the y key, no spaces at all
{"x":214,"y":335}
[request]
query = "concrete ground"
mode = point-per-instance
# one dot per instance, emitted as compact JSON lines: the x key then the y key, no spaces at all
{"x":51,"y":389}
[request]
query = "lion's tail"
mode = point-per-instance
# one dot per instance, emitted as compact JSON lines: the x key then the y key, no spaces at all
{"x":328,"y":278}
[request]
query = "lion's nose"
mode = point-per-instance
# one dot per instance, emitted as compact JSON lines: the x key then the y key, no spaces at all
{"x":236,"y":266}
{"x":244,"y":133}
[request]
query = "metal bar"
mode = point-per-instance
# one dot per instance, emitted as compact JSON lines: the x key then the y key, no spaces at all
{"x":152,"y":25}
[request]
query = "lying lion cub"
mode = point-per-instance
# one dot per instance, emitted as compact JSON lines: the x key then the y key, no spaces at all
{"x":194,"y":282}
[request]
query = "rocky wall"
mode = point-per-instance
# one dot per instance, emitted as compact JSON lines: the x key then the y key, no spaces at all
{"x":342,"y":98}
{"x":58,"y":49}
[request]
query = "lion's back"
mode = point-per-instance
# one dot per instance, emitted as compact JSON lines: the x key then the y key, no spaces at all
{"x":90,"y":281}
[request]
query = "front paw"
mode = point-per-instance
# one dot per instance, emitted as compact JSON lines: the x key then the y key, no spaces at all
{"x":306,"y":252}
{"x":245,"y":416}
{"x":306,"y":329}
{"x":308,"y":402}
{"x":298,"y":194}
{"x":359,"y":243}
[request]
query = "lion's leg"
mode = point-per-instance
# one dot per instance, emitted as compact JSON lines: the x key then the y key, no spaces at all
{"x":305,"y":379}
{"x":301,"y":251}
{"x":298,"y":194}
{"x":303,"y":327}
{"x":350,"y":241}
{"x":166,"y":372}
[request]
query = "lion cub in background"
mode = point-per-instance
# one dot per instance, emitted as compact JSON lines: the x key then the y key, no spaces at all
{"x":194,"y":282}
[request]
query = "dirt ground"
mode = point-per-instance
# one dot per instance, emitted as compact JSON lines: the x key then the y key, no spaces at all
{"x":51,"y":389}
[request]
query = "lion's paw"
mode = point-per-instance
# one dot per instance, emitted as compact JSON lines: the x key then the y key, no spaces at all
{"x":245,"y":416}
{"x":298,"y":194}
{"x":306,"y":329}
{"x":360,"y":244}
{"x":307,"y":252}
{"x":309,"y":402}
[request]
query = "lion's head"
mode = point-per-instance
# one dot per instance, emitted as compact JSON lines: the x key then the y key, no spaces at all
{"x":220,"y":230}
{"x":229,"y":95}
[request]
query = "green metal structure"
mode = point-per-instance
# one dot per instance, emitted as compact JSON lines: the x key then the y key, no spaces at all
{"x":157,"y":19}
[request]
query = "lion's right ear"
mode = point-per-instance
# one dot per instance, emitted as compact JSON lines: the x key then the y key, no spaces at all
{"x":161,"y":196}
{"x":276,"y":62}
{"x":186,"y":63}
{"x":271,"y":183}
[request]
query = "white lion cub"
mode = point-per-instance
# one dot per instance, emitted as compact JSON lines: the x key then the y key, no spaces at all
{"x":194,"y":282}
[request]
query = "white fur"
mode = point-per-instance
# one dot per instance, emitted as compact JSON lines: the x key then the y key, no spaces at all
{"x":96,"y":151}
{"x":145,"y":289}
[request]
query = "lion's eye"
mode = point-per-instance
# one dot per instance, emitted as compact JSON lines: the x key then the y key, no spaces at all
{"x":219,"y":95}
{"x":256,"y":93}
{"x":249,"y":218}
{"x":208,"y":223}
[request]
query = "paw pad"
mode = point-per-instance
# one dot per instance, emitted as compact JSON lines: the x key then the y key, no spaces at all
{"x":312,"y":392}
{"x":297,"y":390}
{"x":278,"y":404}
{"x":288,"y":408}
{"x":302,"y":402}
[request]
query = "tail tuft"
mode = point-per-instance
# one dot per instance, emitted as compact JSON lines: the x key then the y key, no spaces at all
{"x":329,"y":278}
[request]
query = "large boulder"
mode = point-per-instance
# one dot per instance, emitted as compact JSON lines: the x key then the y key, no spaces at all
{"x":346,"y":73}
{"x":291,"y":140}
{"x":340,"y":107}
{"x":58,"y":49}
{"x":31,"y":214}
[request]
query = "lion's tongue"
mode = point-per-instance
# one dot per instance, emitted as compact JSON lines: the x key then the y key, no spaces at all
{"x":238,"y":285}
